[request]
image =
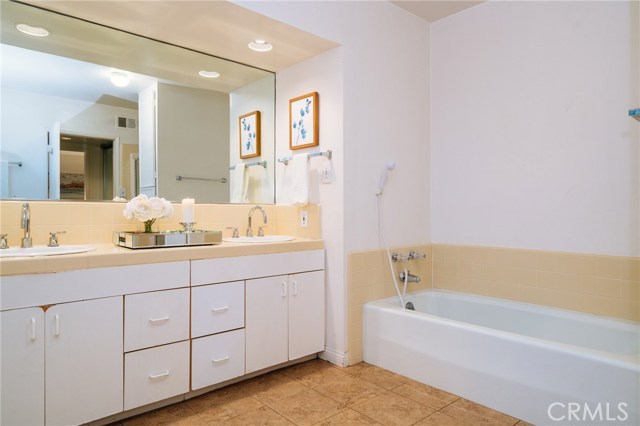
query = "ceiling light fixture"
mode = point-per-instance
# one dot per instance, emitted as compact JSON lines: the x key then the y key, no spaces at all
{"x":119,"y":79}
{"x":260,"y":46}
{"x":209,"y":74}
{"x":32,"y":31}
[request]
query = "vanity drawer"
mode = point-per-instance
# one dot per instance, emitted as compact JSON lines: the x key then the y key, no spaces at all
{"x":217,"y":358}
{"x":156,"y":318}
{"x":155,"y":374}
{"x":217,"y":308}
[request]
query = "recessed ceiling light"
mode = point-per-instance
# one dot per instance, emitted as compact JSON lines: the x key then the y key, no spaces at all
{"x":209,"y":74}
{"x":32,"y":31}
{"x":260,"y":46}
{"x":119,"y":79}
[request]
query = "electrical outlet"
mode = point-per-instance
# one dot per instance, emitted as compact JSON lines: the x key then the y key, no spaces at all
{"x":304,"y":219}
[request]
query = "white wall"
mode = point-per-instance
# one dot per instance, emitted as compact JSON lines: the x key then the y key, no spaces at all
{"x":531,"y":143}
{"x":26,"y":119}
{"x":373,"y":108}
{"x":322,"y":73}
{"x":257,"y":96}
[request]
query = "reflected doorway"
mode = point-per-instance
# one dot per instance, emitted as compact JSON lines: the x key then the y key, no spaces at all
{"x":86,"y":168}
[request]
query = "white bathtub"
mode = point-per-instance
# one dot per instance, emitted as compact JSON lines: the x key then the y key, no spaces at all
{"x":543,"y":365}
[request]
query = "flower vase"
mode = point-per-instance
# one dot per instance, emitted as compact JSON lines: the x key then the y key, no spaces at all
{"x":147,"y":225}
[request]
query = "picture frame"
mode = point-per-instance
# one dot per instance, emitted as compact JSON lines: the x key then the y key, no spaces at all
{"x":303,"y":121}
{"x":249,"y":126}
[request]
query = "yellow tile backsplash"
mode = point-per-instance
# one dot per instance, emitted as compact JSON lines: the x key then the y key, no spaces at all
{"x":94,"y":222}
{"x":596,"y":284}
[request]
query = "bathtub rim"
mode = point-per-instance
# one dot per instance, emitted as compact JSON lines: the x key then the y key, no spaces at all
{"x":630,"y":362}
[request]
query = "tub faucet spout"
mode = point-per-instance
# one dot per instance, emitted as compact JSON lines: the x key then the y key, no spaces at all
{"x":25,"y":223}
{"x":409,"y":277}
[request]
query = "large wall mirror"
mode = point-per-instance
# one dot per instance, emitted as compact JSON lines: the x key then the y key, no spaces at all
{"x":90,"y":113}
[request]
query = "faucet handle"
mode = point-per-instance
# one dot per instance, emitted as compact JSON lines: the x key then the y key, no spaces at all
{"x":413,"y":255}
{"x":3,"y":241}
{"x":235,"y":231}
{"x":261,"y":231}
{"x":53,"y":238}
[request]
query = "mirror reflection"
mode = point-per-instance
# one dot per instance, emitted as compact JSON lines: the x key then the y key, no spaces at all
{"x":91,"y":113}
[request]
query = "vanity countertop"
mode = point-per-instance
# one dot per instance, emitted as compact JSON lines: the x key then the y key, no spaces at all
{"x":107,"y":255}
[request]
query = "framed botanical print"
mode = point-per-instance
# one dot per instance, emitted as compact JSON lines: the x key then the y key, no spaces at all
{"x":250,"y":134}
{"x":303,"y":121}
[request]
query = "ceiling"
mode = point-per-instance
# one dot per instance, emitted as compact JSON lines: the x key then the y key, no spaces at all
{"x":219,"y":28}
{"x":432,"y":10}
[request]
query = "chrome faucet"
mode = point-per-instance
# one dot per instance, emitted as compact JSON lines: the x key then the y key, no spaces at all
{"x":409,"y":277}
{"x":264,"y":220}
{"x":25,"y":223}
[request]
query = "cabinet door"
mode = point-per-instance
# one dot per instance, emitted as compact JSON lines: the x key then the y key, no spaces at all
{"x":83,"y":361}
{"x":306,"y":314}
{"x":266,"y":322}
{"x":22,"y":371}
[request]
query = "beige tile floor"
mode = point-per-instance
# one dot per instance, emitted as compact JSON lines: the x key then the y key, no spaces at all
{"x":318,"y":393}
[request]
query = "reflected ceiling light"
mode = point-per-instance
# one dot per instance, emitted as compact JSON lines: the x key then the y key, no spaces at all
{"x":209,"y":74}
{"x":260,"y":46}
{"x":119,"y":79}
{"x":32,"y":31}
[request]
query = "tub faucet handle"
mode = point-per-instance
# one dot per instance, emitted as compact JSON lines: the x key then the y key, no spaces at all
{"x":413,"y":255}
{"x":397,"y":257}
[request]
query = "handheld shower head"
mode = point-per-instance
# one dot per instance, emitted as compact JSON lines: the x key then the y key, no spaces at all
{"x":390,"y":165}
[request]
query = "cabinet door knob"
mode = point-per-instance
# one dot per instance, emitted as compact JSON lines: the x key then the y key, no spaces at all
{"x":294,"y":287}
{"x":159,"y":375}
{"x":283,"y":293}
{"x":219,"y":360}
{"x":221,"y":309}
{"x":159,"y":319}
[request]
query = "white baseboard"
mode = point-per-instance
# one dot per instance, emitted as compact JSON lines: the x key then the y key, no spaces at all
{"x":341,"y":359}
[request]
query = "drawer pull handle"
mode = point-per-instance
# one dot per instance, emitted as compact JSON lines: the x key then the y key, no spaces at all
{"x":222,"y":309}
{"x":160,"y":319}
{"x":219,"y":360}
{"x":294,"y":290}
{"x":159,"y":375}
{"x":283,"y":293}
{"x":33,"y":329}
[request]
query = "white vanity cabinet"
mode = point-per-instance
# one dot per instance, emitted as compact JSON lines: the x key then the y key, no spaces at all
{"x":69,"y":356}
{"x":284,"y":305}
{"x":88,"y":344}
{"x":62,"y":341}
{"x":285,"y":318}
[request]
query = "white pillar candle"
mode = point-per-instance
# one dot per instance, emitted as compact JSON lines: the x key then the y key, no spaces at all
{"x":188,"y":210}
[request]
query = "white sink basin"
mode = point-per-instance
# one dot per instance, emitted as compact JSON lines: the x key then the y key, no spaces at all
{"x":265,"y":239}
{"x":44,"y":251}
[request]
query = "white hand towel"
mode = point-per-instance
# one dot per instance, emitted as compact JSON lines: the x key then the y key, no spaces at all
{"x":300,"y":179}
{"x":239,"y":188}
